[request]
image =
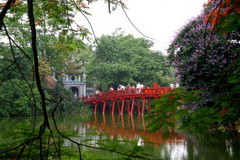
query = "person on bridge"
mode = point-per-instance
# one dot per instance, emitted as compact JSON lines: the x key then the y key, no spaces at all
{"x":128,"y":85}
{"x":97,"y":91}
{"x":177,"y":85}
{"x":121,"y":87}
{"x":75,"y":96}
{"x":144,"y":85}
{"x":138,"y":86}
{"x":155,"y":85}
{"x":172,"y":85}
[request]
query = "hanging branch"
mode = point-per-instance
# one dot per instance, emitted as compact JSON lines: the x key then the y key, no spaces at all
{"x":4,"y":11}
{"x":133,"y":24}
{"x":109,"y":7}
{"x":36,"y":63}
{"x":95,"y":37}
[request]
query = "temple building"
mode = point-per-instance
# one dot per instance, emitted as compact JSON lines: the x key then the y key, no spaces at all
{"x":75,"y":82}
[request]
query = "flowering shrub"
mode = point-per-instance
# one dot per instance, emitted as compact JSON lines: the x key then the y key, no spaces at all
{"x":204,"y":59}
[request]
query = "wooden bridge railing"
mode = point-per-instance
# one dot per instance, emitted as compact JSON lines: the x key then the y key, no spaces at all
{"x":125,"y":93}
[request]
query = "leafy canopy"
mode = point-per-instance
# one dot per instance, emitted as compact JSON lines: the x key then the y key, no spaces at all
{"x":121,"y":59}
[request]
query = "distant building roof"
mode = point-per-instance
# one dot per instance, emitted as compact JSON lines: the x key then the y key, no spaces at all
{"x":50,"y":82}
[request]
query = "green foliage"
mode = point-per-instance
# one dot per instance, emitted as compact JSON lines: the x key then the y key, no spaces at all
{"x":49,"y":141}
{"x":68,"y":104}
{"x":44,"y":68}
{"x":68,"y":53}
{"x":182,"y":109}
{"x":170,"y":108}
{"x":18,"y":88}
{"x":230,"y":102}
{"x":204,"y":119}
{"x":15,"y":99}
{"x":229,"y":23}
{"x":122,"y":59}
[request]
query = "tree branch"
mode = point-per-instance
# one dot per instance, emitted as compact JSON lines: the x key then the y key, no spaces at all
{"x":36,"y":63}
{"x":4,"y":11}
{"x":133,"y":24}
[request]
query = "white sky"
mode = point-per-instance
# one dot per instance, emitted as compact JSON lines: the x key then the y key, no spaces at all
{"x":158,"y":19}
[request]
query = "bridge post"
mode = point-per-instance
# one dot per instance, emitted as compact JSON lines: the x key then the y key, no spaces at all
{"x":143,"y":106}
{"x":132,"y":108}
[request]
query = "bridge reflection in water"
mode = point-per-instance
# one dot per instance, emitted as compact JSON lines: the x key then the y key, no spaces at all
{"x":133,"y":128}
{"x":129,"y":127}
{"x":126,"y":127}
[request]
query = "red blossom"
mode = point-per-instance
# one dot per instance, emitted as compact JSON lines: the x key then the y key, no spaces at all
{"x":225,"y":8}
{"x":223,"y":111}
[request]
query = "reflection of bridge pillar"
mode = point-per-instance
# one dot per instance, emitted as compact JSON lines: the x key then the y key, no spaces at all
{"x":95,"y":107}
{"x":133,"y":127}
{"x":139,"y":120}
{"x":118,"y":106}
{"x":104,"y":107}
{"x":132,"y":108}
{"x":143,"y":106}
{"x":128,"y":107}
{"x":122,"y":108}
{"x":95,"y":117}
{"x":122,"y":119}
{"x":104,"y":119}
{"x":138,"y":106}
{"x":149,"y":105}
{"x":113,"y":120}
{"x":143,"y":123}
{"x":113,"y":106}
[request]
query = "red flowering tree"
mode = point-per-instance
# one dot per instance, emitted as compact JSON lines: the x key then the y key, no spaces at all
{"x":225,"y":15}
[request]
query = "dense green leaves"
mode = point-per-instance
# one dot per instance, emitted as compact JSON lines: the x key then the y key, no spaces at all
{"x":122,"y":59}
{"x":171,"y":107}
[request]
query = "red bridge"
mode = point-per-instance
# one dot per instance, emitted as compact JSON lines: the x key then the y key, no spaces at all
{"x":125,"y":100}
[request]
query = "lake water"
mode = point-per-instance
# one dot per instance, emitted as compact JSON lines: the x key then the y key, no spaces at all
{"x":164,"y":144}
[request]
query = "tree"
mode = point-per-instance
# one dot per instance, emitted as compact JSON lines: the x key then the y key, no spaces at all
{"x":206,"y":60}
{"x":121,"y":59}
{"x":38,"y":20}
{"x":224,"y":16}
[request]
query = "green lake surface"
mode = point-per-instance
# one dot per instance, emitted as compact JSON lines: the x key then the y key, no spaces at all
{"x":163,"y":144}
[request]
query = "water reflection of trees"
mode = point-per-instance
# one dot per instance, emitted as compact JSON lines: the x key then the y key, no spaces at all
{"x":124,"y":127}
{"x":178,"y":146}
